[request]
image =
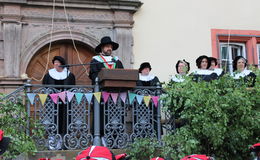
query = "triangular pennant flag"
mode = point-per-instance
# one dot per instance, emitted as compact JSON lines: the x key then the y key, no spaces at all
{"x":105,"y":96}
{"x":123,"y":96}
{"x":54,"y":97}
{"x":70,"y":95}
{"x":62,"y":96}
{"x":43,"y":98}
{"x":139,"y":98}
{"x":131,"y":97}
{"x":97,"y":96}
{"x":155,"y":100}
{"x":114,"y":97}
{"x":147,"y":100}
{"x":31,"y":97}
{"x":89,"y":97}
{"x":78,"y":97}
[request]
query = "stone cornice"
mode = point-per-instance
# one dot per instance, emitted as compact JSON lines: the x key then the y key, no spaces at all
{"x":127,"y":5}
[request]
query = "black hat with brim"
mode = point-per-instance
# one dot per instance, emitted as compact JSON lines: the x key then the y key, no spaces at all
{"x":60,"y":59}
{"x":144,"y":65}
{"x":104,"y":41}
{"x":4,"y":144}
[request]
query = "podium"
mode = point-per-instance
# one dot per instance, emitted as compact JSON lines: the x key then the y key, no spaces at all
{"x":123,"y":78}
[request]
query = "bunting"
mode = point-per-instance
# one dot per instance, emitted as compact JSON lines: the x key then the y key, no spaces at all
{"x":31,"y":97}
{"x":155,"y":100}
{"x":62,"y":96}
{"x":43,"y":98}
{"x":114,"y":97}
{"x":89,"y":97}
{"x":97,"y":95}
{"x":70,"y":95}
{"x":139,"y":99}
{"x":79,"y":97}
{"x":54,"y":97}
{"x":105,"y":96}
{"x":131,"y":97}
{"x":147,"y":100}
{"x":123,"y":96}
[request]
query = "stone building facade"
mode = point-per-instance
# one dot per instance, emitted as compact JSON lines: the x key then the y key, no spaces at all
{"x":27,"y":29}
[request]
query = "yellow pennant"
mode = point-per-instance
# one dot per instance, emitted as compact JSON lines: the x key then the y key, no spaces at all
{"x":98,"y":96}
{"x":147,"y":100}
{"x":43,"y":98}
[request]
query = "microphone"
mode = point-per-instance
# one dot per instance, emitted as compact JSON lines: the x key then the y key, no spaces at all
{"x":90,"y":63}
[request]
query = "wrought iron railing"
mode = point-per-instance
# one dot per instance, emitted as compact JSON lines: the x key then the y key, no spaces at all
{"x":84,"y":118}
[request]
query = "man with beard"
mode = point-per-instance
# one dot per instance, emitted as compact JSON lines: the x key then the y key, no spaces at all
{"x":105,"y":58}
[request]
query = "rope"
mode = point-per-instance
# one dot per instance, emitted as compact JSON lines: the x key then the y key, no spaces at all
{"x":73,"y":42}
{"x":49,"y":50}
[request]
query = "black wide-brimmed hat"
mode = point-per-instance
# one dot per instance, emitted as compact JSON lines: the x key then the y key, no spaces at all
{"x":104,"y":41}
{"x":145,"y":65}
{"x":60,"y":59}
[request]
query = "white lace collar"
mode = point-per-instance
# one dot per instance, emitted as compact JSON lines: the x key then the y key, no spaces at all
{"x":107,"y":58}
{"x":218,"y":71}
{"x":237,"y":75}
{"x":59,"y":75}
{"x":202,"y":72}
{"x":146,"y":78}
{"x":178,"y":78}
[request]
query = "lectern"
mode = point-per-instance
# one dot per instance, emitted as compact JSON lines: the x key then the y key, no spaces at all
{"x":123,"y":78}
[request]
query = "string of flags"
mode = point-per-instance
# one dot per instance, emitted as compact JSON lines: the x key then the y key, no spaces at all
{"x":98,"y":95}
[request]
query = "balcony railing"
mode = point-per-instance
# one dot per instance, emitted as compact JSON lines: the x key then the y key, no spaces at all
{"x":75,"y":117}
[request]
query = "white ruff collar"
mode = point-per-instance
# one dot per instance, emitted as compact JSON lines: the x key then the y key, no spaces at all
{"x":109,"y":59}
{"x":202,"y":72}
{"x":178,"y":78}
{"x":237,"y":75}
{"x":146,"y":78}
{"x":59,"y":75}
{"x":218,"y":71}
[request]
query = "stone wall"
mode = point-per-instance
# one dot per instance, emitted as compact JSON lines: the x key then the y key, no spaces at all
{"x":26,"y":27}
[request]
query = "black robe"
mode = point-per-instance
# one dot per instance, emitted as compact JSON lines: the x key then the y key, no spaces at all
{"x":204,"y":75}
{"x":96,"y":66}
{"x":152,"y":82}
{"x":247,"y":76}
{"x":70,"y":80}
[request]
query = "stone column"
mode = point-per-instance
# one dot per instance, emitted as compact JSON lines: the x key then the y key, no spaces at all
{"x":12,"y":28}
{"x":123,"y":35}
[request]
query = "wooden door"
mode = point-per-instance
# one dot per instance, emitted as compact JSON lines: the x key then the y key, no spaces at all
{"x":65,"y":49}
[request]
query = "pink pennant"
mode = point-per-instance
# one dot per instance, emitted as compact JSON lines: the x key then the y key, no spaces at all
{"x":70,"y":95}
{"x":114,"y":97}
{"x":105,"y":96}
{"x":62,"y":96}
{"x":155,"y":100}
{"x":54,"y":97}
{"x":123,"y":96}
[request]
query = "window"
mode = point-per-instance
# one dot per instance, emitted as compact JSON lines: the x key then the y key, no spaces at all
{"x":228,"y":52}
{"x":244,"y":43}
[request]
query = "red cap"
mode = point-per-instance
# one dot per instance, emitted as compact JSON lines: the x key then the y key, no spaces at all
{"x":255,"y":147}
{"x":95,"y":153}
{"x":1,"y":134}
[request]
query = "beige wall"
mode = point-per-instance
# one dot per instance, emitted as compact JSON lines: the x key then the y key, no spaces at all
{"x":168,"y":30}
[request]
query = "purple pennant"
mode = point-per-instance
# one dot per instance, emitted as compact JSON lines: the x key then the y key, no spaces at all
{"x":54,"y":97}
{"x":62,"y":96}
{"x":114,"y":97}
{"x":123,"y":96}
{"x":155,"y":100}
{"x":105,"y":96}
{"x":70,"y":95}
